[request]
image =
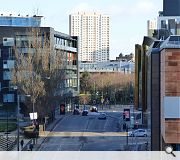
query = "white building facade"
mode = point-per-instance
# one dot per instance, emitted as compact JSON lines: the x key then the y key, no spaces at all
{"x":93,"y":32}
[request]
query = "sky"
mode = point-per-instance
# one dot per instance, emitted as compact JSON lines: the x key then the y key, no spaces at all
{"x":128,"y":18}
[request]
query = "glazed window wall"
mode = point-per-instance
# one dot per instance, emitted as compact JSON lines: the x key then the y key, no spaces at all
{"x":8,"y":41}
{"x":7,"y":75}
{"x":72,"y":82}
{"x":8,"y":98}
{"x":71,"y":59}
{"x":20,"y":21}
{"x":65,"y":42}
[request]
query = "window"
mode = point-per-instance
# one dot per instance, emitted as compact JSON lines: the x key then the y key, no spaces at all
{"x":8,"y":98}
{"x":8,"y":64}
{"x":11,"y":56}
{"x":11,"y":86}
{"x":7,"y":75}
{"x":8,"y":41}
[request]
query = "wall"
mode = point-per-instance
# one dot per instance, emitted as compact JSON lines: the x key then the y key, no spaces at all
{"x":170,"y":91}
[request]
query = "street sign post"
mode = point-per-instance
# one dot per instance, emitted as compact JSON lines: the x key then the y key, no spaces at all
{"x":33,"y":115}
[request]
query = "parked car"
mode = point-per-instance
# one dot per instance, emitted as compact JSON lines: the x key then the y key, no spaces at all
{"x":84,"y":112}
{"x":138,"y":133}
{"x":93,"y":114}
{"x":94,"y":109}
{"x":102,"y":116}
{"x":76,"y":111}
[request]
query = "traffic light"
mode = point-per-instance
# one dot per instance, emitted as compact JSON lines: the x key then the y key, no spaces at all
{"x":124,"y":116}
{"x":124,"y":126}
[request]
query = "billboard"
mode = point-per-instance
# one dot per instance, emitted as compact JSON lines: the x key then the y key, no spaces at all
{"x":62,"y":108}
{"x":33,"y":115}
{"x":127,"y":114}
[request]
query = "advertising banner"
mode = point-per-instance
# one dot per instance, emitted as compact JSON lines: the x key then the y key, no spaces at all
{"x":127,"y":114}
{"x":62,"y":108}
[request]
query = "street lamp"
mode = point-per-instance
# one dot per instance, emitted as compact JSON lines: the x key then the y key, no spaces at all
{"x":18,"y":115}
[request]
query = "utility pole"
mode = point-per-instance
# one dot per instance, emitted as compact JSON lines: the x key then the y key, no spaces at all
{"x":18,"y":121}
{"x":127,"y":136}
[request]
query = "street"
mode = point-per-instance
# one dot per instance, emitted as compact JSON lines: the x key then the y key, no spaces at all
{"x":88,"y":133}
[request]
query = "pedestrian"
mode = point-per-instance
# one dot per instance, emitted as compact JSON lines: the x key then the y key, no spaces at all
{"x":22,"y":144}
{"x":31,"y":147}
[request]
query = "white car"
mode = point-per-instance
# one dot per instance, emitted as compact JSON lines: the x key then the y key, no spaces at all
{"x":93,"y":113}
{"x":138,"y":133}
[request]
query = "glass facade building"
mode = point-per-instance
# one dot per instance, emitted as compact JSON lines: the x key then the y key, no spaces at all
{"x":27,"y":21}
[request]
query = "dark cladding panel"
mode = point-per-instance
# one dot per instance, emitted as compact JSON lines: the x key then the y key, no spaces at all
{"x":171,"y":7}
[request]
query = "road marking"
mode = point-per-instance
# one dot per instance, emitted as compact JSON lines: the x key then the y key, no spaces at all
{"x":85,"y":134}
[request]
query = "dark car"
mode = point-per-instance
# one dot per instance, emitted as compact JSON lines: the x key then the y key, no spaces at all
{"x":76,"y":111}
{"x":84,"y":112}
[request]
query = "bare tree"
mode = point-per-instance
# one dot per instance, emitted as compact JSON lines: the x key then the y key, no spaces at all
{"x":36,"y":60}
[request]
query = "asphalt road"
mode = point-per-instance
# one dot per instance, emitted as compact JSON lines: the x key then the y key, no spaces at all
{"x":88,"y":133}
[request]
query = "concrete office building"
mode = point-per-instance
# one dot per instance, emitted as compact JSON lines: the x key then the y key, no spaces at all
{"x":14,"y":37}
{"x":109,"y":67}
{"x":170,"y":23}
{"x":93,"y":32}
{"x":157,"y":91}
{"x":167,"y":21}
{"x":7,"y":23}
{"x":157,"y":79}
{"x":169,"y":18}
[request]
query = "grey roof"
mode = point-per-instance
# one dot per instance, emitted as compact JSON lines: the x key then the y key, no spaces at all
{"x":172,"y":41}
{"x":154,"y":48}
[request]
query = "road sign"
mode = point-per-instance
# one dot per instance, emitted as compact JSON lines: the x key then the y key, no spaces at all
{"x":33,"y":115}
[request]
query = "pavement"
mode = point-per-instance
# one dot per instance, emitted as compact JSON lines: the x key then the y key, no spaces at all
{"x":43,"y":135}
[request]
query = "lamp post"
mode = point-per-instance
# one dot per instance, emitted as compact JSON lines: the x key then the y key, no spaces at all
{"x":18,"y":122}
{"x":7,"y":145}
{"x":18,"y":116}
